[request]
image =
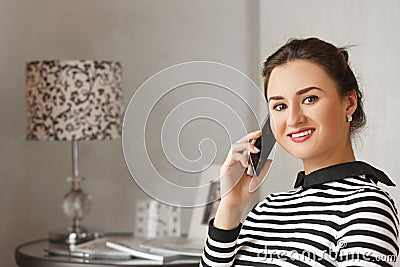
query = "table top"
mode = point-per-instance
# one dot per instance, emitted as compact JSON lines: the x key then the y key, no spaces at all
{"x":33,"y":254}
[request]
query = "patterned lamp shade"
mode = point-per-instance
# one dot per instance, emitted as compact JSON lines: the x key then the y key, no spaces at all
{"x":73,"y":100}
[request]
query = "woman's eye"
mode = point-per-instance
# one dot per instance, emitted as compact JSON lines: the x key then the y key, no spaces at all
{"x":279,"y":107}
{"x":310,"y":99}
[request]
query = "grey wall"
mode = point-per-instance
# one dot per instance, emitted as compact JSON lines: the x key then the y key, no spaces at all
{"x":372,"y":26}
{"x":146,"y":36}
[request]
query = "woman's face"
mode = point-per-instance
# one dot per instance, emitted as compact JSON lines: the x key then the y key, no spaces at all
{"x":308,"y":116}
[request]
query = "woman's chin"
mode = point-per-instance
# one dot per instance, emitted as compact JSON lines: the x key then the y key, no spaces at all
{"x":302,"y":154}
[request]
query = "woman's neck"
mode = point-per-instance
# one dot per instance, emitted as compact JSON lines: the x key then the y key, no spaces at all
{"x":346,"y":154}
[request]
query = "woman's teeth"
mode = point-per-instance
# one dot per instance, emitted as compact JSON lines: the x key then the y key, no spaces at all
{"x":296,"y":135}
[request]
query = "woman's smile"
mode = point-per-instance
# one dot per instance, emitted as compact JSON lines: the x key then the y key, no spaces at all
{"x":301,"y":135}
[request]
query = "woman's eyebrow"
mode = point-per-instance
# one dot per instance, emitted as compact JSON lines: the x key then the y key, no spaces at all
{"x":299,"y":92}
{"x":305,"y":90}
{"x":278,"y":97}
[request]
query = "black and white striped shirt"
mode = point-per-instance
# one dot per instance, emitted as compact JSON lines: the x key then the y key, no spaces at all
{"x":336,"y":216}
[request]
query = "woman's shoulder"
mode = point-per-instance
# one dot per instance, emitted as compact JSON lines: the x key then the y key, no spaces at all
{"x":365,"y":200}
{"x":364,"y":189}
{"x":353,"y":192}
{"x":360,"y":189}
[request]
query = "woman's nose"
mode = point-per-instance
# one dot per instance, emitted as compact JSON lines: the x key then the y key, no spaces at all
{"x":295,"y":116}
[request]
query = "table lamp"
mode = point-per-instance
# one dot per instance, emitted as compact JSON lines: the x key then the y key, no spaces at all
{"x":73,"y":100}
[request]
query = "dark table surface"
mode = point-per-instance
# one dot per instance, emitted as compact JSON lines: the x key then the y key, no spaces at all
{"x":33,"y":254}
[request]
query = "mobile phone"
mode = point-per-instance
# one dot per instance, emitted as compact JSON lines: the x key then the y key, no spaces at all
{"x":265,"y":144}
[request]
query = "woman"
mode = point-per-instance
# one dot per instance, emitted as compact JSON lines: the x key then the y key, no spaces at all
{"x":337,"y":215}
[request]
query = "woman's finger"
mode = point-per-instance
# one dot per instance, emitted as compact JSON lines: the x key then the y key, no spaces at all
{"x":243,"y":159}
{"x":249,"y":136}
{"x":240,"y":147}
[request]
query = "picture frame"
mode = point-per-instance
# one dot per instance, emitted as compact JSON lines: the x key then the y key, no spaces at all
{"x":213,"y":200}
{"x":203,"y":214}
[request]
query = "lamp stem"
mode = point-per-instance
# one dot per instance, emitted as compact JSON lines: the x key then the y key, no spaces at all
{"x":76,"y":225}
{"x":75,"y":181}
{"x":75,"y":170}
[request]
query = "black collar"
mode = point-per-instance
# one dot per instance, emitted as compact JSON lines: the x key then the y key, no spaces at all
{"x":340,"y":171}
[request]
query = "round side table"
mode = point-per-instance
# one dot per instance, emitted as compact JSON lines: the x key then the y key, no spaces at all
{"x":32,"y":254}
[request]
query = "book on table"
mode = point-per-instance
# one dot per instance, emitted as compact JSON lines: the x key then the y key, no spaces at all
{"x":178,"y":245}
{"x":94,"y":249}
{"x":133,"y":247}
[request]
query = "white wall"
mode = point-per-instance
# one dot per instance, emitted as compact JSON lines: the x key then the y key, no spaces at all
{"x":372,"y":26}
{"x":146,"y":36}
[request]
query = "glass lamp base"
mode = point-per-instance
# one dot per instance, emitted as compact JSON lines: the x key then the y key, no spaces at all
{"x":72,"y":237}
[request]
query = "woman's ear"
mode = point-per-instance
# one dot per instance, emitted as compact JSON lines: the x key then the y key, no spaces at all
{"x":351,"y":102}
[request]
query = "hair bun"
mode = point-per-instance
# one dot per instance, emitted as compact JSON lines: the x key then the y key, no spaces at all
{"x":344,"y":53}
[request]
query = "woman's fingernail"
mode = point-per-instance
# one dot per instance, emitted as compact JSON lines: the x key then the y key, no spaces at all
{"x":256,"y":149}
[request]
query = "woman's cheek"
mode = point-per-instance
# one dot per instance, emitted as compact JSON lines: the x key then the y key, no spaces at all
{"x":277,"y":126}
{"x":272,"y":124}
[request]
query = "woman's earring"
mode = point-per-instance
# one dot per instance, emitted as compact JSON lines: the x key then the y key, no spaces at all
{"x":349,"y":118}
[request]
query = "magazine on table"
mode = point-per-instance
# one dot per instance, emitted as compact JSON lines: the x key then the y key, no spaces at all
{"x":178,"y":245}
{"x":95,"y":249}
{"x":133,"y":247}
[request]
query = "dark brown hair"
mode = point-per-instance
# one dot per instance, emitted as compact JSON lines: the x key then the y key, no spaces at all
{"x":334,"y":60}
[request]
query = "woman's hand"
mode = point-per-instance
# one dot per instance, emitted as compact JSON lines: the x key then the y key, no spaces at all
{"x":235,"y":193}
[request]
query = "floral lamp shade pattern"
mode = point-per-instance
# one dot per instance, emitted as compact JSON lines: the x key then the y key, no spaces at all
{"x":73,"y":100}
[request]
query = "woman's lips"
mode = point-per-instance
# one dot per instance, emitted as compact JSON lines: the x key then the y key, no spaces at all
{"x":301,"y":135}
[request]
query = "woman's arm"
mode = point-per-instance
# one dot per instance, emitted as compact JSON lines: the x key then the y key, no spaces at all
{"x":224,"y":229}
{"x":234,"y":182}
{"x":220,"y":247}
